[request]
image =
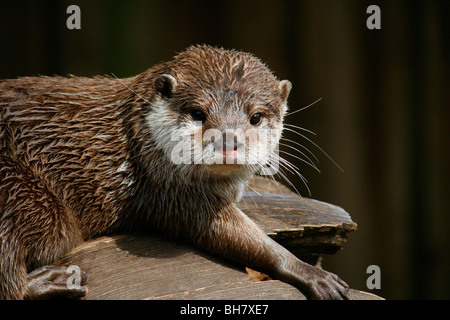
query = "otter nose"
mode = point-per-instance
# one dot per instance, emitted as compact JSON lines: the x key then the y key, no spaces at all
{"x":227,"y":144}
{"x":230,"y":145}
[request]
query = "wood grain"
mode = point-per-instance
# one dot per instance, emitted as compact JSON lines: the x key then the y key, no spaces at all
{"x":126,"y":267}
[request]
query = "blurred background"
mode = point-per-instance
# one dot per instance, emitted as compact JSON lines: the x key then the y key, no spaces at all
{"x":383,"y":114}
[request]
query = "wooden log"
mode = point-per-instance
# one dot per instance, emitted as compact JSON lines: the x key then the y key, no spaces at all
{"x":127,"y":267}
{"x":300,"y":224}
{"x":150,"y":267}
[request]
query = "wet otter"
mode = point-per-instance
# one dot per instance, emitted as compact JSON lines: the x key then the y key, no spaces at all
{"x":83,"y":157}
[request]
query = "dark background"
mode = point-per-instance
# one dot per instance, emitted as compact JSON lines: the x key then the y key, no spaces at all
{"x":383,"y":116}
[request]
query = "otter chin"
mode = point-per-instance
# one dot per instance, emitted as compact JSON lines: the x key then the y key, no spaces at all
{"x":84,"y":157}
{"x":231,"y":170}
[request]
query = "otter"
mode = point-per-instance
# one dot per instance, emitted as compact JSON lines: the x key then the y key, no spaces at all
{"x":83,"y":157}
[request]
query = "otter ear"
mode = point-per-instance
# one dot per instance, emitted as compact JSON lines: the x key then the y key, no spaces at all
{"x":285,"y":88}
{"x":165,"y":84}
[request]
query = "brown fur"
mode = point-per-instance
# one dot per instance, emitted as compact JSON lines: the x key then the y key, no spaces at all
{"x":78,"y":160}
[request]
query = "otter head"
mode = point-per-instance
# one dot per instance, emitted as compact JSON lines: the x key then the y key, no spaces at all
{"x":218,"y":113}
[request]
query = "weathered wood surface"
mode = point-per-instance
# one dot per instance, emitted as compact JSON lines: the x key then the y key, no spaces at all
{"x":129,"y":267}
{"x":125,"y":267}
{"x":300,"y":224}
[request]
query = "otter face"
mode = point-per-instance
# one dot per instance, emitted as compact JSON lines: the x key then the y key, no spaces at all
{"x":219,"y":112}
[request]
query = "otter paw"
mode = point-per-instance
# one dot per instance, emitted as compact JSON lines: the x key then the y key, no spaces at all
{"x":322,"y":284}
{"x":56,"y":282}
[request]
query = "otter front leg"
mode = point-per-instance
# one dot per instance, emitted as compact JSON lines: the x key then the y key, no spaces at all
{"x":233,"y":235}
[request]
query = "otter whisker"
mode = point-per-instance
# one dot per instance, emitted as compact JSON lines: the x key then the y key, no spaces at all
{"x":131,"y":89}
{"x":294,"y":156}
{"x":253,"y":189}
{"x":249,"y":194}
{"x":286,"y":164}
{"x":314,"y":144}
{"x":280,"y":172}
{"x":303,"y":147}
{"x":310,"y":163}
{"x":300,"y":128}
{"x":306,"y":107}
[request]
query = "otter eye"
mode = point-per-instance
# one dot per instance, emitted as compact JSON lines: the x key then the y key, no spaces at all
{"x":198,"y":115}
{"x":256,"y":119}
